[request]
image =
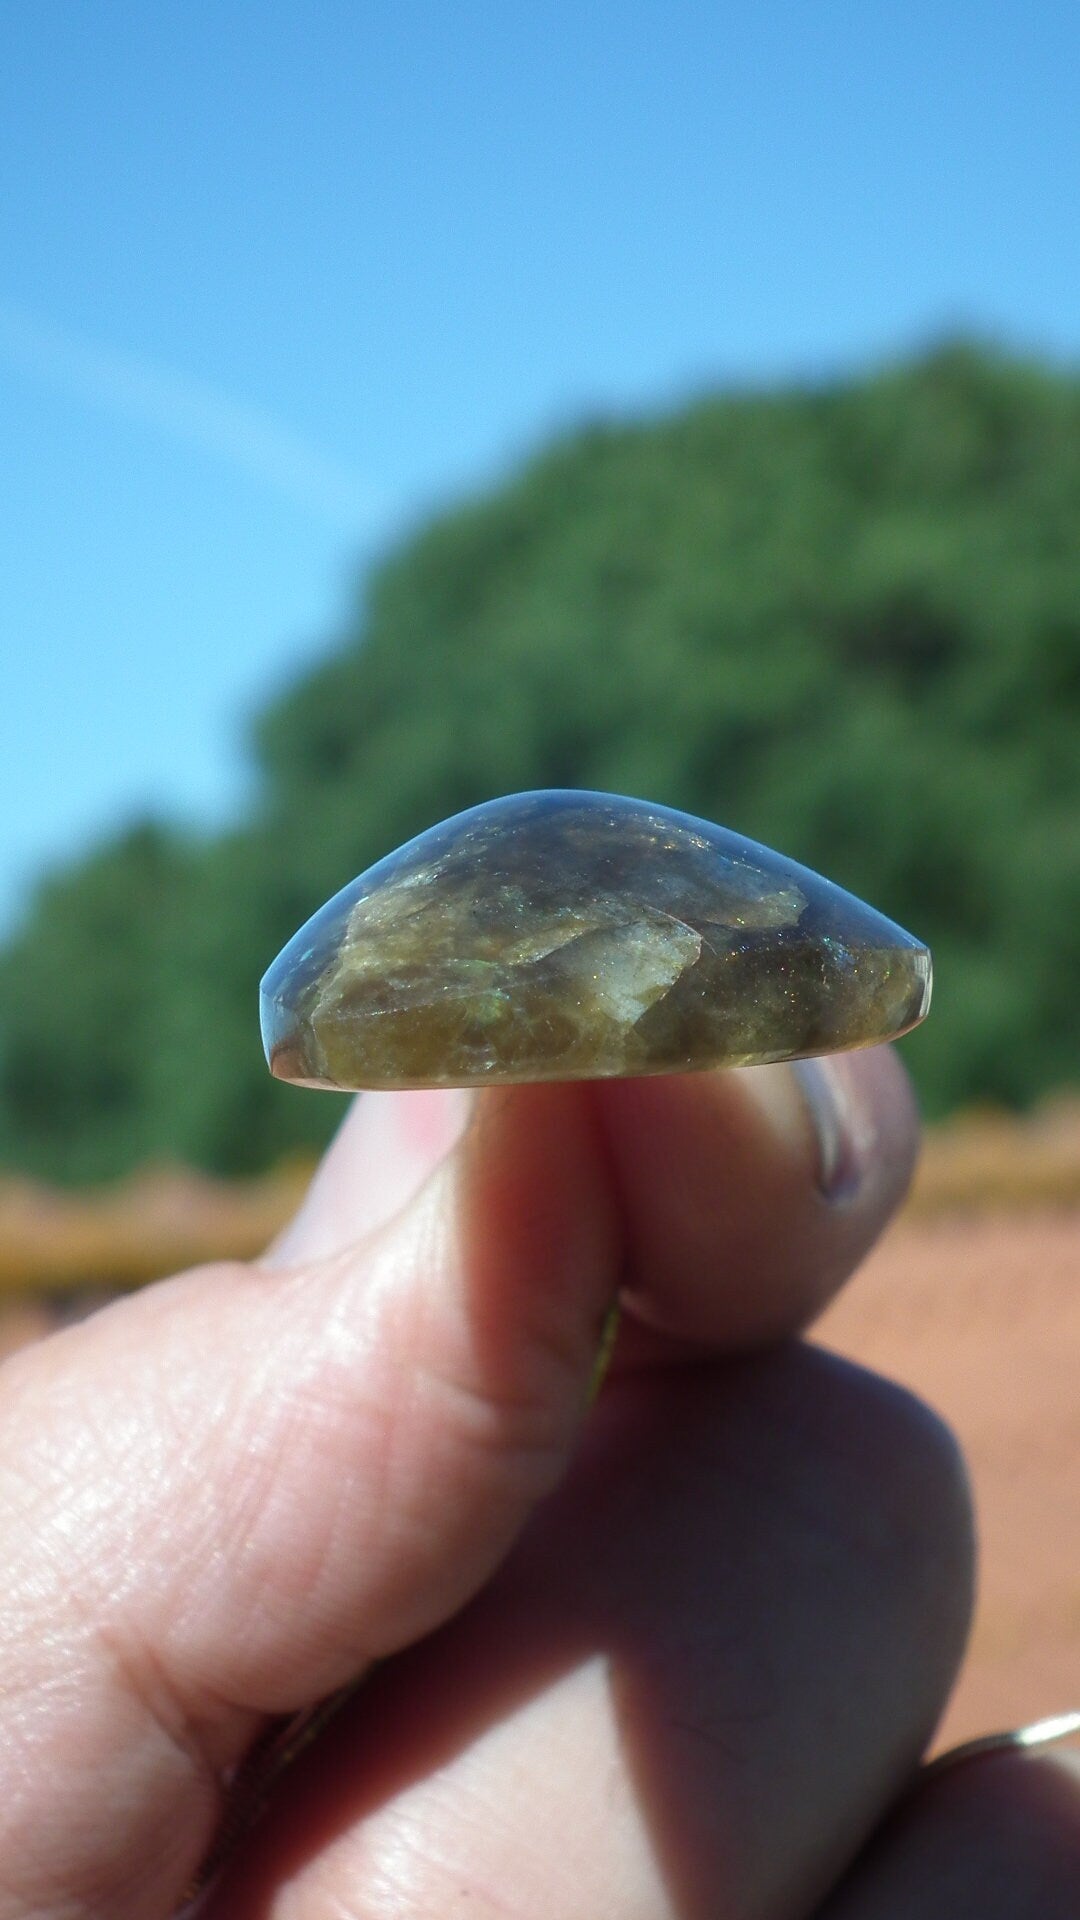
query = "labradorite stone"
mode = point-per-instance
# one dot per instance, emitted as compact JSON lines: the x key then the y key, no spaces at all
{"x":574,"y":936}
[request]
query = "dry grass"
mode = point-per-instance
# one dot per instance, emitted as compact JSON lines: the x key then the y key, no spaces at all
{"x":158,"y":1221}
{"x":985,"y":1162}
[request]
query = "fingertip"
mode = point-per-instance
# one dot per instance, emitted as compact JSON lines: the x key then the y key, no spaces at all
{"x":863,"y":1122}
{"x":749,"y":1196}
{"x":387,"y":1145}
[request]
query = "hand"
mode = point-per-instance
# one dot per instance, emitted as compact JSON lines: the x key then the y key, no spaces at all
{"x":678,"y":1656}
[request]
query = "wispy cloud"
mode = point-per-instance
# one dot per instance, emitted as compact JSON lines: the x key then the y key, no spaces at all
{"x":189,"y":410}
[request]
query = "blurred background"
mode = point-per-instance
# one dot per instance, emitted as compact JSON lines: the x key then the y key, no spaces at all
{"x":405,"y":404}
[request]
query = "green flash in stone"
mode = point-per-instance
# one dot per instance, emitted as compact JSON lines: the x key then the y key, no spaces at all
{"x":565,"y":935}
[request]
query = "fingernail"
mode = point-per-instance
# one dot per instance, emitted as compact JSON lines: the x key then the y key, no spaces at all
{"x":843,"y":1119}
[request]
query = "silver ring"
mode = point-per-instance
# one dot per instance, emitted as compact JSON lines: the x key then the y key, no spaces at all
{"x":1041,"y":1733}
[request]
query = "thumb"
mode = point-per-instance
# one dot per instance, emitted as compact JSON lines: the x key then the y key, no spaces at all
{"x":249,"y":1482}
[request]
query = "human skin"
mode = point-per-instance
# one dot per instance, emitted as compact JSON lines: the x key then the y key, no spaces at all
{"x":674,"y":1655}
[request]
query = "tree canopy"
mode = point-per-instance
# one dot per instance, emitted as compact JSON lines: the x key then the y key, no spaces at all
{"x":843,"y":618}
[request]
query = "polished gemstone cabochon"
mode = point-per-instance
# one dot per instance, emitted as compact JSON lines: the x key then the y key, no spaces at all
{"x":566,"y":935}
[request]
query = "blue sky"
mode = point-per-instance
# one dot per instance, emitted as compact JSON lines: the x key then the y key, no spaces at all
{"x":276,"y":279}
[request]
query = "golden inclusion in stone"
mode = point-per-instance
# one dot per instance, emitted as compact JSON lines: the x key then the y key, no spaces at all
{"x":566,"y":935}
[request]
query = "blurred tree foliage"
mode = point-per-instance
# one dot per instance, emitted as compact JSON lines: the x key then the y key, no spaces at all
{"x":844,"y":619}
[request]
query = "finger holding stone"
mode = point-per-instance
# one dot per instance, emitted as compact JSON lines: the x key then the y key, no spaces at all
{"x":745,"y":1198}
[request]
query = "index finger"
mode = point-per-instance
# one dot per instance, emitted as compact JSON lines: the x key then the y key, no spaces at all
{"x":747,"y":1198}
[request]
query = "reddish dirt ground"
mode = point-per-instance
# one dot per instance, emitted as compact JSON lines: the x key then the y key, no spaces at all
{"x":981,"y":1317}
